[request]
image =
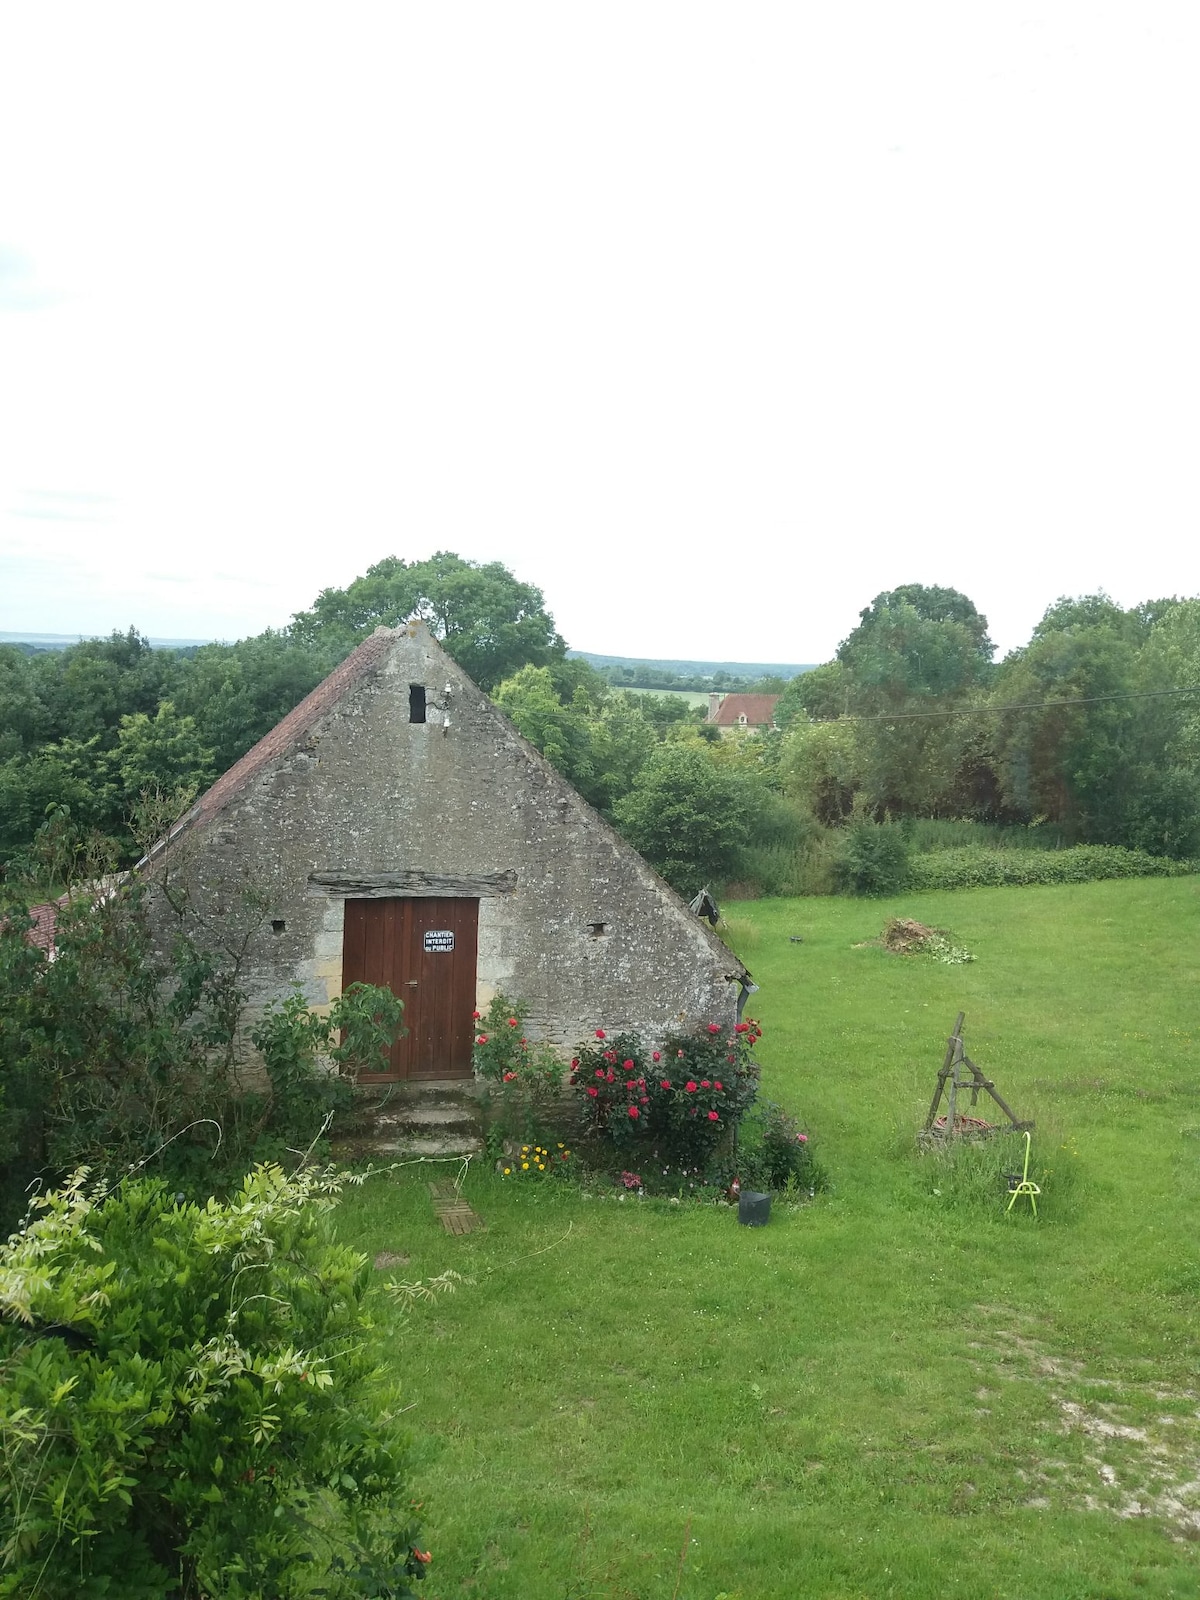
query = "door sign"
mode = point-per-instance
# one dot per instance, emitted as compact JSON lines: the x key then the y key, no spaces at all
{"x":438,"y":940}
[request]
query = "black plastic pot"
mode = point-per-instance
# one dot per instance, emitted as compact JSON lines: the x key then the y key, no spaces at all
{"x":754,"y":1210}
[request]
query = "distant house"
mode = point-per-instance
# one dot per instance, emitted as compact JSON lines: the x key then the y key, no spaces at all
{"x":751,"y":711}
{"x":45,"y":921}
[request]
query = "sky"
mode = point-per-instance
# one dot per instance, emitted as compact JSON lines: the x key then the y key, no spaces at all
{"x":711,"y":320}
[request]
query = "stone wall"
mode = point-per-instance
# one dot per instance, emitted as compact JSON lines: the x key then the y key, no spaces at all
{"x":351,"y":792}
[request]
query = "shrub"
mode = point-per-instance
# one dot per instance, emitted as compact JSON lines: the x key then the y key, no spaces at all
{"x":527,"y":1076}
{"x":976,"y":867}
{"x":356,"y":1034}
{"x":680,"y":1103}
{"x":776,"y":1154}
{"x":189,"y":1405}
{"x":111,"y":1055}
{"x":872,"y":859}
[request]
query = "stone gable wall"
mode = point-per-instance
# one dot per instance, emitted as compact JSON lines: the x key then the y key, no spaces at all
{"x":370,"y":796}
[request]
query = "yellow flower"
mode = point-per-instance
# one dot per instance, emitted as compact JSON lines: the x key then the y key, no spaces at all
{"x":524,"y":1166}
{"x":507,"y":1170}
{"x":560,"y":1144}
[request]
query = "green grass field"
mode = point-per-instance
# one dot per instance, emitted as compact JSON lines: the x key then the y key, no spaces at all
{"x":692,"y":697}
{"x":892,"y":1391}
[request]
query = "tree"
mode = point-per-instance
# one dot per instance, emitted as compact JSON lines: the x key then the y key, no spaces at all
{"x":161,"y":752}
{"x":1098,"y":747}
{"x":688,"y":817}
{"x":488,"y":621}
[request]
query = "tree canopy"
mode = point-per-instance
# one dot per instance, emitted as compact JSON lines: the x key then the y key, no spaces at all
{"x":490,"y":622}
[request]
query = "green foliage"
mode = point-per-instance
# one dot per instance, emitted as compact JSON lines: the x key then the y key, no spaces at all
{"x":112,"y":1056}
{"x":687,"y":816}
{"x":361,"y":1025}
{"x":681,"y":1103}
{"x":190,"y":1404}
{"x":776,"y":1154}
{"x":527,"y":1076}
{"x":488,"y":621}
{"x":974,"y":867}
{"x":873,"y":858}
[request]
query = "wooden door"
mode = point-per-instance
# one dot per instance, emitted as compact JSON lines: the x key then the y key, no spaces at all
{"x":424,"y":952}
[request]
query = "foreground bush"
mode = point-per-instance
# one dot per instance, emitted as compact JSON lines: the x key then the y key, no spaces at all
{"x":975,"y":867}
{"x":188,"y":1405}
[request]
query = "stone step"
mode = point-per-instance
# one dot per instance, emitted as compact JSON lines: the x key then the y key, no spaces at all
{"x":437,"y":1116}
{"x":426,"y":1145}
{"x":423,"y":1091}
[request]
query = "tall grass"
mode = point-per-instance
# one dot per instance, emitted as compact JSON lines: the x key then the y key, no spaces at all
{"x":945,"y":833}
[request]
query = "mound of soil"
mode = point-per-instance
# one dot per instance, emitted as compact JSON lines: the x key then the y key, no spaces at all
{"x":907,"y":937}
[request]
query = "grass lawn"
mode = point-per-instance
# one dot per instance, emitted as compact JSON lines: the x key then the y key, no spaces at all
{"x":888,"y":1392}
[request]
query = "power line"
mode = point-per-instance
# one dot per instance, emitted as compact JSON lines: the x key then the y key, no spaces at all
{"x":1028,"y":705}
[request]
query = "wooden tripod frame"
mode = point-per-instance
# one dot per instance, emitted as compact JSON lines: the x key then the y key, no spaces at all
{"x":959,"y":1072}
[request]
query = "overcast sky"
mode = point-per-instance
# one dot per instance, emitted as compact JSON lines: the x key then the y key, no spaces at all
{"x":711,"y":320}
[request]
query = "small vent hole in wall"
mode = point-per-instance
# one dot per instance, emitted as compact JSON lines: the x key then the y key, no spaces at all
{"x":598,"y":929}
{"x":416,"y":702}
{"x":278,"y":925}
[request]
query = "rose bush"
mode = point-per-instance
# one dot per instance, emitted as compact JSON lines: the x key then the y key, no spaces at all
{"x":680,"y":1101}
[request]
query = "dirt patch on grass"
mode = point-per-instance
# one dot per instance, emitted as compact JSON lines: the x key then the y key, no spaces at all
{"x":1138,"y":1443}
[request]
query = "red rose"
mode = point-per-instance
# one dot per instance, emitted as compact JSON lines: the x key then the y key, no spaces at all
{"x":509,"y":1077}
{"x":599,"y":1033}
{"x":593,"y":1091}
{"x":657,"y":1056}
{"x":742,"y":1027}
{"x":645,"y":1099}
{"x":512,"y":1022}
{"x":634,"y":1112}
{"x":599,"y":1072}
{"x":610,"y":1076}
{"x":717,"y":1084}
{"x":713,"y":1117}
{"x":476,"y":1015}
{"x":482,"y":1039}
{"x":704,"y":1083}
{"x":574,"y":1061}
{"x":628,"y":1065}
{"x":631,"y":1083}
{"x":690,"y":1086}
{"x":714,"y":1027}
{"x":665,"y":1084}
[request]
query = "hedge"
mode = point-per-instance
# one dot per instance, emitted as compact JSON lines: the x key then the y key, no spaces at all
{"x":975,"y":866}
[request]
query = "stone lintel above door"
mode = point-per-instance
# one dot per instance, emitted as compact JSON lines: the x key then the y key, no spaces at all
{"x":414,"y":884}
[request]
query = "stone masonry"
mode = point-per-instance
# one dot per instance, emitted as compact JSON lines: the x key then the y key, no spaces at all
{"x":350,"y":796}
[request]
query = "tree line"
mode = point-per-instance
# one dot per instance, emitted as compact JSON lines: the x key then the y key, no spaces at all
{"x":1081,"y":735}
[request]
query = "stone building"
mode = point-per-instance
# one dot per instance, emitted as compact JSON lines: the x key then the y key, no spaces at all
{"x":395,"y":828}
